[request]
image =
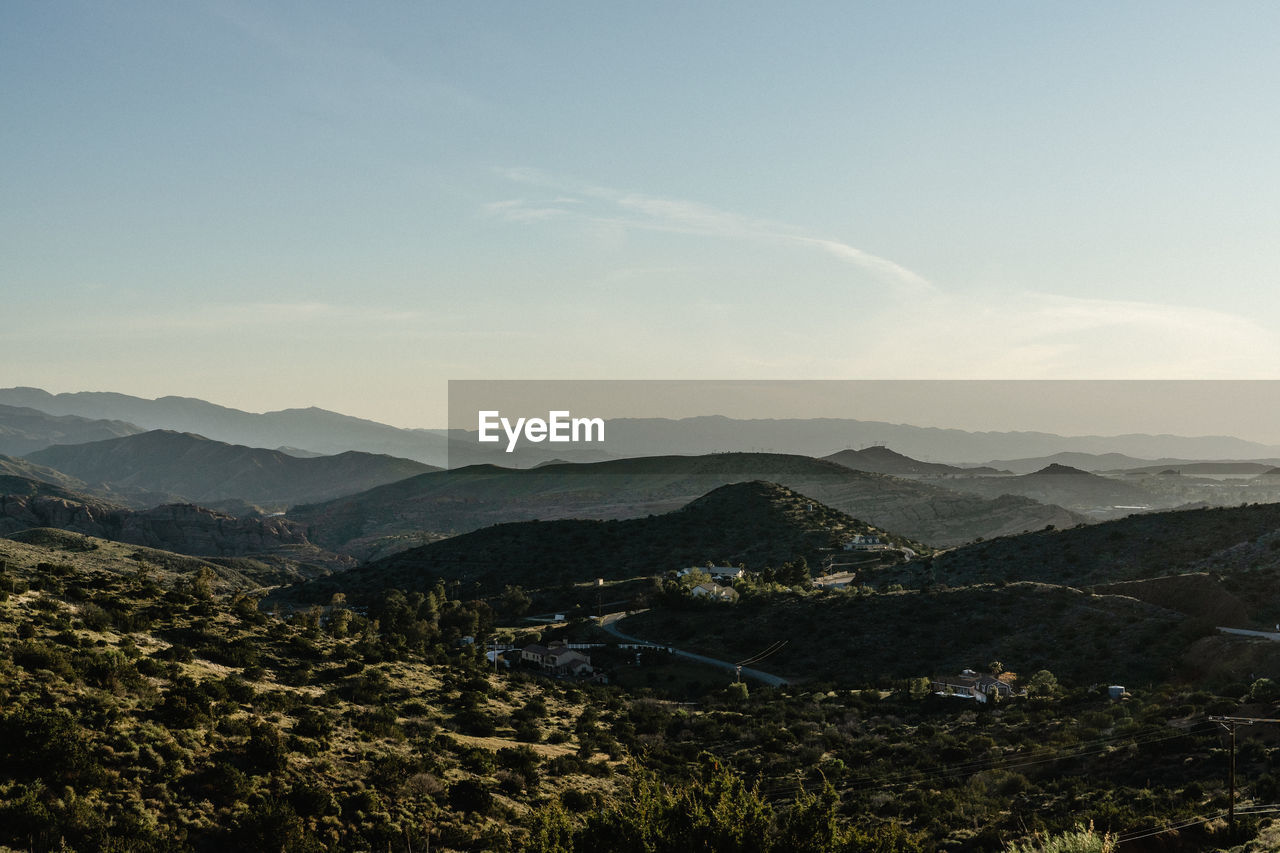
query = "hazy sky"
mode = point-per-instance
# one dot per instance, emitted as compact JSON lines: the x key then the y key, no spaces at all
{"x":345,"y":205}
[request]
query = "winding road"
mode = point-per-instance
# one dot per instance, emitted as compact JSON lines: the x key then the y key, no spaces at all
{"x":610,"y":620}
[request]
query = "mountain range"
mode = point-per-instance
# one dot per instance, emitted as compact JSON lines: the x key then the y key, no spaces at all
{"x":322,"y":431}
{"x":23,"y":429}
{"x":754,"y":524}
{"x":311,"y":429}
{"x":459,"y":501}
{"x":202,"y":470}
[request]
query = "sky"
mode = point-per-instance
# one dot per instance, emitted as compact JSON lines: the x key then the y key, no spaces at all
{"x":271,"y":205}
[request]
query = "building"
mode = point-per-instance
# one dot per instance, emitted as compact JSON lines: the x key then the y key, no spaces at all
{"x":556,"y":658}
{"x":864,"y":542}
{"x":714,"y":591}
{"x":970,"y":685}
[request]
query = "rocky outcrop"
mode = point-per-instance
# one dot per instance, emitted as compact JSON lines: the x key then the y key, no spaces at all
{"x":182,"y":528}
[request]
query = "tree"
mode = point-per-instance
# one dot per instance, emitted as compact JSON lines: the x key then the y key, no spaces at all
{"x":515,"y":601}
{"x":1043,"y":684}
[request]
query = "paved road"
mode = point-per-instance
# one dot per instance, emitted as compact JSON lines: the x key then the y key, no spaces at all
{"x":1245,"y":632}
{"x":609,"y":621}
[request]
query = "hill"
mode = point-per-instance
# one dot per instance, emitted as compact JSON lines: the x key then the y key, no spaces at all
{"x":203,"y":470}
{"x":24,"y":430}
{"x":25,"y":469}
{"x":1065,"y":486}
{"x":280,"y":546}
{"x":149,"y":704}
{"x":756,"y":524}
{"x":1140,"y":546}
{"x":879,"y":459}
{"x":850,"y":636}
{"x":462,"y":500}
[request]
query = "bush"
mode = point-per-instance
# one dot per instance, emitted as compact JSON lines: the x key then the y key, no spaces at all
{"x":1080,"y":840}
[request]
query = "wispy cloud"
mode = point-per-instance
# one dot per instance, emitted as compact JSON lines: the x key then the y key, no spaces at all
{"x":922,"y":330}
{"x":605,"y":205}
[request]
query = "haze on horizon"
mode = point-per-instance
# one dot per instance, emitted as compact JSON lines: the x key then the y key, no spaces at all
{"x":282,"y":205}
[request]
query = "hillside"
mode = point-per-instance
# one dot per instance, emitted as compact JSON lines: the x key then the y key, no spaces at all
{"x":25,"y":430}
{"x":848,"y":636}
{"x":1065,"y":486}
{"x":147,"y":703}
{"x":25,"y":469}
{"x":1140,"y":546}
{"x":203,"y":470}
{"x":280,"y":545}
{"x":756,"y":524}
{"x":462,"y":500}
{"x":879,"y":459}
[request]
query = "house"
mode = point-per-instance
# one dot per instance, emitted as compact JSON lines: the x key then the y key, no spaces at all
{"x":864,"y":542}
{"x":566,"y":661}
{"x":534,"y":654}
{"x":971,"y":685}
{"x":714,"y":591}
{"x":556,"y":658}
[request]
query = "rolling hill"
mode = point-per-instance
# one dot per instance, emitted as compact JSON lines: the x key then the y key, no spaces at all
{"x":1141,"y":546}
{"x":202,"y":470}
{"x":756,"y":524}
{"x":1065,"y":486}
{"x":879,"y":459}
{"x":462,"y":500}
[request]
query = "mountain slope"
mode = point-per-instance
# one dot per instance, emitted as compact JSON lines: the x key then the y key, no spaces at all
{"x":25,"y":469}
{"x":203,"y":470}
{"x":1140,"y":546}
{"x":465,"y":499}
{"x":279,"y":549}
{"x":24,"y":430}
{"x":757,"y":524}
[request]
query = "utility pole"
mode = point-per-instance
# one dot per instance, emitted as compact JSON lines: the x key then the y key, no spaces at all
{"x":1230,"y":723}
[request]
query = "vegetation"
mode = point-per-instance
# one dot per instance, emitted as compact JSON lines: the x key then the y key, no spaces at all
{"x":150,"y":701}
{"x":755,"y":524}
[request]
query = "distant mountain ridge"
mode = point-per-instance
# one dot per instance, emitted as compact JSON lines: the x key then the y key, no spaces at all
{"x":310,"y":429}
{"x":319,"y":430}
{"x":24,"y":430}
{"x":203,"y":470}
{"x":1064,"y":486}
{"x":1119,"y":463}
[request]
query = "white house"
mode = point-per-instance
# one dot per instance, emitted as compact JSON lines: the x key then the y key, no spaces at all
{"x":864,"y":542}
{"x":714,"y":591}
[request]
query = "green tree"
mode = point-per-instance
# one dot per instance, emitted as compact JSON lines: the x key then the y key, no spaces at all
{"x":1043,"y":684}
